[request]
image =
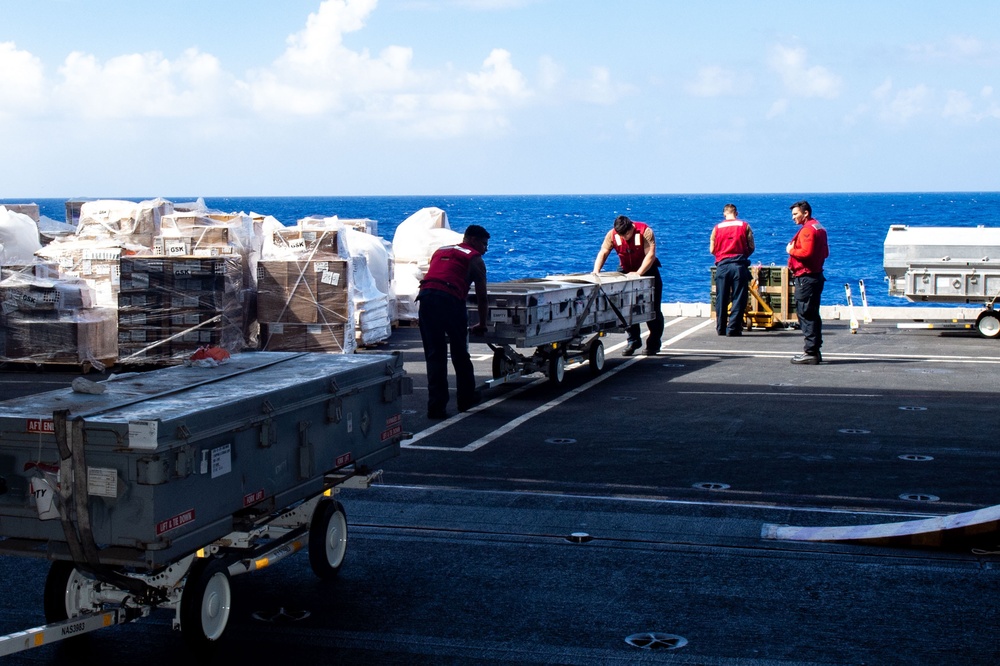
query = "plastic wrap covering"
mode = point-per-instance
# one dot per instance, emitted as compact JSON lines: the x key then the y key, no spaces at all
{"x":134,"y":225}
{"x":361,"y":224}
{"x":371,"y":286}
{"x":304,"y":289}
{"x":94,"y":260}
{"x":18,"y":235}
{"x":415,"y":240}
{"x":46,"y":321}
{"x":305,"y":305}
{"x":371,"y":305}
{"x":168,"y":307}
{"x":201,"y":233}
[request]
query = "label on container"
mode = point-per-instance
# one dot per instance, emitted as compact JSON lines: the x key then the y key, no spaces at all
{"x":173,"y":523}
{"x":40,"y":427}
{"x":222,"y":460}
{"x":252,"y":498}
{"x":142,"y":434}
{"x":331,"y":278}
{"x":102,"y":482}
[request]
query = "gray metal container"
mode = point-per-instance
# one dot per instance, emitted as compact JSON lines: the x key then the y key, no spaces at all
{"x":530,"y":313}
{"x":943,"y":264}
{"x":174,"y":459}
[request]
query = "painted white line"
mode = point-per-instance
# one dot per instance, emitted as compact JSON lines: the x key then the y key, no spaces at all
{"x":458,"y":417}
{"x":770,"y":394}
{"x":930,"y":358}
{"x":629,"y":499}
{"x":524,"y":418}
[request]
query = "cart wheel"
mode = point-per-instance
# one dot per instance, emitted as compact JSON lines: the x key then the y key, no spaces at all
{"x":501,"y":364}
{"x":327,"y":538}
{"x":64,"y":594}
{"x":557,"y":368}
{"x":988,"y":324}
{"x":596,"y":357}
{"x":206,"y":601}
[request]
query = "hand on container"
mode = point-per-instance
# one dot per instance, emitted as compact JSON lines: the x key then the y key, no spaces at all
{"x":478,"y":329}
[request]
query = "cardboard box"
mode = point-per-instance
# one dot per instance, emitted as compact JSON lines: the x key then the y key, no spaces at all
{"x":306,"y":292}
{"x":280,"y":336}
{"x":308,"y":243}
{"x":70,"y":337}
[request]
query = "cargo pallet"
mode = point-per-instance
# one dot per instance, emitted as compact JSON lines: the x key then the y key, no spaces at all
{"x":153,"y":494}
{"x":771,"y":300}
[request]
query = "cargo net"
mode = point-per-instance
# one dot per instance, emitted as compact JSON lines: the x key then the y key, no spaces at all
{"x":53,"y":321}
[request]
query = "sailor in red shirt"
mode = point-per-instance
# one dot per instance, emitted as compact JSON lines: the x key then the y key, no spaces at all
{"x":732,"y":244}
{"x":806,"y":254}
{"x":636,"y":247}
{"x":444,"y":319}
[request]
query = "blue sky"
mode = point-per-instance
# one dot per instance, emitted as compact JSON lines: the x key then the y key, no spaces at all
{"x":110,"y":98}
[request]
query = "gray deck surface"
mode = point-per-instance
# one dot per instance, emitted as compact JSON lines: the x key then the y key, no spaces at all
{"x":461,"y":554}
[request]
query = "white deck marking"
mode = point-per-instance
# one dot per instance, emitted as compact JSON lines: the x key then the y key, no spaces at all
{"x":524,"y":418}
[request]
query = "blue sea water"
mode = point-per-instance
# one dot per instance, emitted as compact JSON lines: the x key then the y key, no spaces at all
{"x":534,"y":236}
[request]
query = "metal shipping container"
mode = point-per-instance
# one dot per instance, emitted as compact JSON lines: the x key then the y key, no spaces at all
{"x":165,"y":462}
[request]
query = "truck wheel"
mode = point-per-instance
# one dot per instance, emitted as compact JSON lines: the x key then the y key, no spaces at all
{"x":205,"y":603}
{"x":327,"y":538}
{"x":596,"y":357}
{"x":501,"y":364}
{"x":988,"y":324}
{"x":65,"y":592}
{"x":557,"y":368}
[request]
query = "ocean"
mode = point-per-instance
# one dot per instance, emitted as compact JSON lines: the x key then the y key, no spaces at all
{"x":534,"y":236}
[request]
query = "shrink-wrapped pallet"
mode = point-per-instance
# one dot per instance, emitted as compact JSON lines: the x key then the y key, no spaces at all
{"x":168,"y":307}
{"x":52,"y":321}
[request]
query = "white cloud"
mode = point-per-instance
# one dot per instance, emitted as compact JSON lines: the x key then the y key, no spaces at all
{"x":900,"y":107}
{"x":550,"y":73}
{"x":958,"y":105}
{"x":958,"y":49}
{"x":778,"y":108}
{"x":316,"y":77}
{"x":142,"y":85}
{"x":601,"y":89}
{"x":799,"y":78}
{"x":498,"y":79}
{"x":713,"y":81}
{"x":22,"y":81}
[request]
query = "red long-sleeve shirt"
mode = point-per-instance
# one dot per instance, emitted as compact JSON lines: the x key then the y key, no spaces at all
{"x":809,"y":249}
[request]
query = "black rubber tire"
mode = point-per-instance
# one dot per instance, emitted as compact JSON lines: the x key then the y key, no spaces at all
{"x":500,"y":364}
{"x":595,"y":357}
{"x":205,"y":603}
{"x":557,"y":368}
{"x":57,"y":597}
{"x":988,"y":324}
{"x":327,"y":538}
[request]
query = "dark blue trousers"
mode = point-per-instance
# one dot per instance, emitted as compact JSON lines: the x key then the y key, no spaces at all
{"x":656,"y":324}
{"x":444,"y":321}
{"x":732,"y":280}
{"x":808,"y":290}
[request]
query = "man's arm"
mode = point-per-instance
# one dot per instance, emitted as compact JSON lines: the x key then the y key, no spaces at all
{"x":711,"y":242}
{"x":477,"y":271}
{"x":602,"y":254}
{"x":751,"y":246}
{"x":801,"y":246}
{"x":650,"y":258}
